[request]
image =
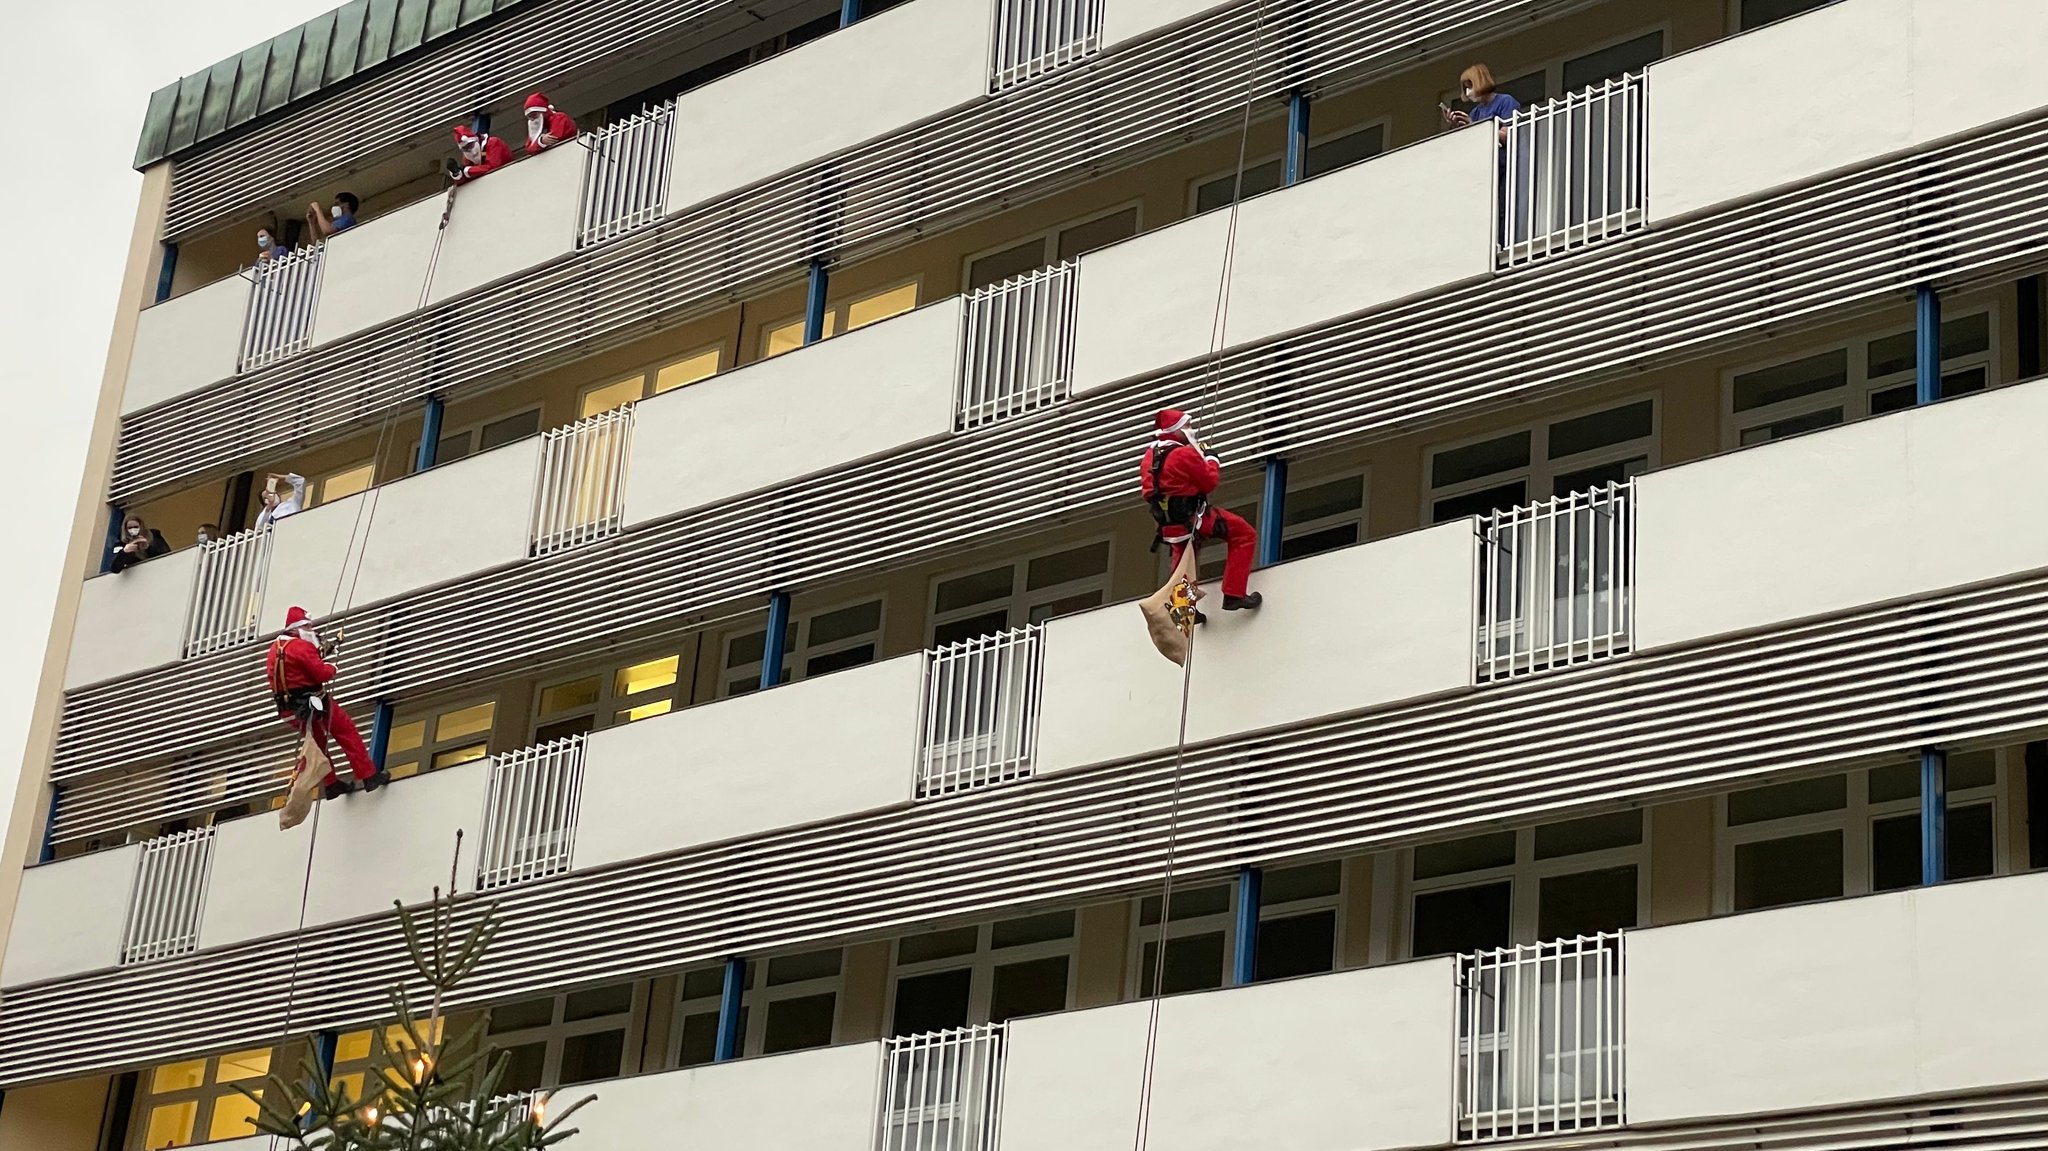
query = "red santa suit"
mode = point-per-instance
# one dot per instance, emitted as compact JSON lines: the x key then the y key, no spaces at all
{"x":298,"y":674}
{"x":546,"y":127}
{"x":1177,"y":480}
{"x":481,"y":154}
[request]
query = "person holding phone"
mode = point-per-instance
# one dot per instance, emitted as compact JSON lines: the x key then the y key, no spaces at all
{"x":1475,"y":85}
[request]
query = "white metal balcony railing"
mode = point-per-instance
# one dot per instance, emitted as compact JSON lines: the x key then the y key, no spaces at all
{"x":227,"y":592}
{"x":1017,"y":345}
{"x":580,"y":492}
{"x":1557,"y":581}
{"x":169,"y":895}
{"x":943,"y":1090}
{"x":625,"y":175}
{"x":1572,"y":171}
{"x":1034,"y":37}
{"x":1540,"y":1038}
{"x":283,"y":293}
{"x":531,"y":801}
{"x":981,"y":711}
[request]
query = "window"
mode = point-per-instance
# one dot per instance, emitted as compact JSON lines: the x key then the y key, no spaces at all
{"x":353,"y":1051}
{"x":557,"y":1040}
{"x":816,"y":644}
{"x":985,"y":973}
{"x":1852,"y":834}
{"x":790,"y":1003}
{"x":844,"y":316}
{"x":1012,"y":595}
{"x":1573,"y":454}
{"x":1864,"y":378}
{"x":441,"y":739}
{"x":1051,"y":246}
{"x":195,"y":1100}
{"x":1501,"y":888}
{"x":1324,"y":155}
{"x":698,"y":365}
{"x":1570,"y":74}
{"x":1322,"y":515}
{"x":1297,"y":930}
{"x":1757,"y":13}
{"x":483,"y":436}
{"x":341,"y":484}
{"x":639,"y":690}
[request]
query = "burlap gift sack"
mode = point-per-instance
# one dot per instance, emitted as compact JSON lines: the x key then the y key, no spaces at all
{"x":313,"y":767}
{"x":1170,"y":611}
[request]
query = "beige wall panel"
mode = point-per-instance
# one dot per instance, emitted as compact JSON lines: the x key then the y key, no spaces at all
{"x":259,"y":874}
{"x":377,"y":270}
{"x":396,"y":843}
{"x":821,"y":1100}
{"x":516,"y":218}
{"x":186,"y":343}
{"x":132,"y":620}
{"x":70,"y":916}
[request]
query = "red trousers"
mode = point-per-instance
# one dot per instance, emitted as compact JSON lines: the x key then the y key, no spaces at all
{"x":1237,"y":535}
{"x":335,"y":722}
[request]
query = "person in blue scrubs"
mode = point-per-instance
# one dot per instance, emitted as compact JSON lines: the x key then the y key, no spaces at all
{"x":1476,"y":86}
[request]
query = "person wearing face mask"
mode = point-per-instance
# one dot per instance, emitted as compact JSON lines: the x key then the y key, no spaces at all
{"x":324,"y":222}
{"x":139,"y":542}
{"x":1178,"y":478}
{"x":267,"y":247}
{"x":482,"y":154}
{"x":545,"y":127}
{"x":1476,"y":85}
{"x":207,"y":534}
{"x":298,"y":674}
{"x":276,"y":507}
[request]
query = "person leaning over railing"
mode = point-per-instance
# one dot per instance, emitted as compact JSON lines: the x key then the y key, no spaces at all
{"x":545,"y":125}
{"x":1475,"y":85}
{"x":139,"y":542}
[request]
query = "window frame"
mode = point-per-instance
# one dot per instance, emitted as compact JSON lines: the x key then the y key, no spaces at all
{"x":1385,"y":123}
{"x":1541,"y":471}
{"x":556,"y":1033}
{"x":609,"y":703}
{"x":982,"y":963}
{"x":1248,"y":507}
{"x":432,"y":744}
{"x":1048,"y":241}
{"x":1553,"y":67}
{"x":1226,"y":920}
{"x":316,"y":486}
{"x":474,"y":428}
{"x":1020,"y":597}
{"x":801,"y":651}
{"x":835,"y":316}
{"x":755,"y":1000}
{"x":206,"y":1097}
{"x":649,"y":374}
{"x":1525,"y":878}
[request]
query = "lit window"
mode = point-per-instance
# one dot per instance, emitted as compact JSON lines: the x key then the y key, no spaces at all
{"x":1500,"y":888}
{"x":698,"y":365}
{"x":353,"y":1055}
{"x":1506,"y":469}
{"x":1849,"y":382}
{"x":592,"y":700}
{"x":578,"y":1037}
{"x":789,"y":1003}
{"x":846,"y":315}
{"x":442,"y":739}
{"x":342,"y":484}
{"x":1012,"y":595}
{"x":816,"y":644}
{"x":196,"y":1101}
{"x":1324,"y":155}
{"x":1298,"y":913}
{"x":985,"y":973}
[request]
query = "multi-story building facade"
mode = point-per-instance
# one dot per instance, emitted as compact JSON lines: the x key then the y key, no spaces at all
{"x":732,"y":519}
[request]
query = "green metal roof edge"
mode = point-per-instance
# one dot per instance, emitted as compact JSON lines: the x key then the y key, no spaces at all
{"x":298,"y":65}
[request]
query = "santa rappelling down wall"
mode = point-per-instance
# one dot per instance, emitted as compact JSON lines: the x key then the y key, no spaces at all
{"x":299,"y":674}
{"x":1178,"y":477}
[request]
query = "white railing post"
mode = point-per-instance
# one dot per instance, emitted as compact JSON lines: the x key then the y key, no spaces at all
{"x":1557,"y":581}
{"x":981,"y":700}
{"x":580,"y":490}
{"x":1540,"y":1033}
{"x":227,"y":592}
{"x":531,"y":802}
{"x":1033,"y":37}
{"x":283,"y":295}
{"x":625,"y":174}
{"x":943,"y":1090}
{"x":169,"y":895}
{"x":1572,"y":171}
{"x":1017,"y":345}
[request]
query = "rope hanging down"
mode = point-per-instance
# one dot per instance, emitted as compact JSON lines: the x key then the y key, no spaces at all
{"x":1210,"y":389}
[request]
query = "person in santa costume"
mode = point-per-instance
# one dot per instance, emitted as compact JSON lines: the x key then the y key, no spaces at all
{"x":482,"y":154}
{"x":299,"y":673}
{"x":546,"y":127}
{"x":1178,"y":477}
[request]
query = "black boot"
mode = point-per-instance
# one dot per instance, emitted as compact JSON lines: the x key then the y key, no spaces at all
{"x":334,"y":790}
{"x":1199,"y":617}
{"x":1247,"y":602}
{"x":378,"y":780}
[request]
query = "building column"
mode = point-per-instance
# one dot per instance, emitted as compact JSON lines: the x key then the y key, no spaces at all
{"x":1933,"y":816}
{"x":775,"y":641}
{"x":323,"y":1066}
{"x":380,"y":730}
{"x":814,"y":302}
{"x":48,"y":851}
{"x":730,"y":1041}
{"x":167,"y":272}
{"x":1296,"y":169}
{"x":430,"y":436}
{"x":120,"y":1105}
{"x":849,"y":11}
{"x":1927,"y":345}
{"x":1244,"y":963}
{"x":1272,"y":511}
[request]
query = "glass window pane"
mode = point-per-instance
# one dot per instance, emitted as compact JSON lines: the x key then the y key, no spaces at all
{"x":1586,"y":903}
{"x":1598,"y":476}
{"x":240,"y":1065}
{"x":797,"y":968}
{"x":598,"y":1001}
{"x":1962,"y":383}
{"x":1288,"y":884}
{"x":452,"y":447}
{"x":1462,"y":919}
{"x":353,"y":1046}
{"x":1479,"y":503}
{"x":783,"y":338}
{"x":1965,"y":335}
{"x":1895,"y":852}
{"x":407,"y":736}
{"x":1314,"y":543}
{"x":1187,"y":904}
{"x":880,"y":306}
{"x":1193,"y":963}
{"x":1971,"y":841}
{"x":1528,"y":88}
{"x":470,"y":720}
{"x":644,"y":711}
{"x":1341,"y":151}
{"x":598,"y":1055}
{"x":580,"y":725}
{"x":455,"y":756}
{"x":704,"y":983}
{"x":1334,"y":498}
{"x":526,"y":1068}
{"x":700,"y":1039}
{"x":1296,"y":945}
{"x":796,"y":1024}
{"x":170,"y":1124}
{"x":840,"y":660}
{"x":1032,"y":929}
{"x":1781,"y":382}
{"x":1064,"y":605}
{"x":569,"y":696}
{"x":646,"y":676}
{"x":1795,"y":869}
{"x":846,"y":622}
{"x":1257,"y":178}
{"x":613,"y":395}
{"x":1893,"y":399}
{"x":1967,"y":769}
{"x":1892,"y":354}
{"x":931,"y":1002}
{"x":968,"y":590}
{"x":1601,"y":429}
{"x":1594,"y":833}
{"x":1034,"y":987}
{"x":1086,"y":237}
{"x":1079,"y":563}
{"x":1895,"y":781}
{"x":515,"y":427}
{"x":178,"y":1076}
{"x":746,"y":648}
{"x":1757,"y":13}
{"x":1486,"y":458}
{"x":1792,"y":426}
{"x":1781,"y":800}
{"x":930,"y":945}
{"x":687,"y":370}
{"x":1012,"y":261}
{"x":530,"y":1013}
{"x":1476,"y":853}
{"x":1612,"y":62}
{"x":343,"y":484}
{"x":234,"y":1116}
{"x":987,"y":623}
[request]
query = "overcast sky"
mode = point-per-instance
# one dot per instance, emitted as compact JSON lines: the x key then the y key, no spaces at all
{"x":78,"y":79}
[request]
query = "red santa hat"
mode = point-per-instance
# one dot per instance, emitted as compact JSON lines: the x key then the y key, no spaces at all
{"x":295,"y":618}
{"x":464,"y":134}
{"x":538,"y":102}
{"x":1173,"y":422}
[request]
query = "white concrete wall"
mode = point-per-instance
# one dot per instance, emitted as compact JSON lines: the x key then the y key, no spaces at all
{"x":376,"y":270}
{"x":1125,"y":20}
{"x":1349,"y":629}
{"x":1878,"y":510}
{"x":861,"y":394}
{"x":1743,"y":117}
{"x":516,"y":218}
{"x":1893,"y":996}
{"x":395,"y":843}
{"x":258,"y":874}
{"x":70,"y":916}
{"x":186,"y":343}
{"x":823,"y":1100}
{"x":884,"y":73}
{"x":132,"y":620}
{"x":450,"y":521}
{"x":1356,"y":1061}
{"x":1407,"y":222}
{"x":806,"y":751}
